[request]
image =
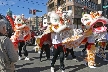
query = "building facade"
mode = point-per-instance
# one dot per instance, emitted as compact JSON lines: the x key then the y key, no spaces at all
{"x":77,"y":6}
{"x":36,"y":22}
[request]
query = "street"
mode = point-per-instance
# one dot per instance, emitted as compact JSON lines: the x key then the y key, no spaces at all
{"x":34,"y":65}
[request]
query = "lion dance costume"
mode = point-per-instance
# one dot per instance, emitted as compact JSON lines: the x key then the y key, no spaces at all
{"x":59,"y":23}
{"x":21,"y":35}
{"x":95,"y":22}
{"x":95,"y":25}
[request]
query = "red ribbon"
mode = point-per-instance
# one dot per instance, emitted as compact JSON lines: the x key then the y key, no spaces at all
{"x":56,"y":45}
{"x":89,"y":45}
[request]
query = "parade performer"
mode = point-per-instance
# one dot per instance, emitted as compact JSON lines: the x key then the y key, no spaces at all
{"x":58,"y":24}
{"x":45,"y":44}
{"x":91,"y":51}
{"x":95,"y":22}
{"x":21,"y":35}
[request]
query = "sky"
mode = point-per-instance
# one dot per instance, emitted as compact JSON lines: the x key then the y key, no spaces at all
{"x":19,"y":7}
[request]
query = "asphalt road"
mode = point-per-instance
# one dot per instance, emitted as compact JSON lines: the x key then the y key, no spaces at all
{"x":34,"y":65}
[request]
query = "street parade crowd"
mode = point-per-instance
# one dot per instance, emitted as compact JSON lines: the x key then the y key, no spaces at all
{"x":60,"y":35}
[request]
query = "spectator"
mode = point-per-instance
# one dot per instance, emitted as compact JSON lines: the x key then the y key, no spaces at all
{"x":8,"y":55}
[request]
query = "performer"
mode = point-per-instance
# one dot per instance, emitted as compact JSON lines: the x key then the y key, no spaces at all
{"x":21,"y":35}
{"x":57,"y":27}
{"x":102,"y":46}
{"x":69,"y":50}
{"x":91,"y":51}
{"x":58,"y":50}
{"x":46,"y":46}
{"x":94,"y":22}
{"x":58,"y":24}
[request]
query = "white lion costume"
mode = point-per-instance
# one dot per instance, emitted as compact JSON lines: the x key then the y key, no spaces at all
{"x":60,"y":22}
{"x":21,"y":31}
{"x":96,"y":23}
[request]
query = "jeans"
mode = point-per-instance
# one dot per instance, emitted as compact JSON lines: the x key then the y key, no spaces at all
{"x":22,"y":45}
{"x":59,"y":51}
{"x":47,"y":50}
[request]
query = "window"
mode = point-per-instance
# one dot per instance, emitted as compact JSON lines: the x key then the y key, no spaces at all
{"x":58,"y":2}
{"x":86,"y":3}
{"x":69,"y":0}
{"x":94,"y":6}
{"x":79,"y":1}
{"x":79,"y":9}
{"x":76,"y":0}
{"x":89,"y":4}
{"x":76,"y":10}
{"x":82,"y":3}
{"x":69,"y":7}
{"x":64,"y":9}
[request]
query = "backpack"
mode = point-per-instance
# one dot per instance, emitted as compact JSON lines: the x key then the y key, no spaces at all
{"x":4,"y":58}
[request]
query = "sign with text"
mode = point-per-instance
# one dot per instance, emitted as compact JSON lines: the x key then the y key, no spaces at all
{"x":105,"y":6}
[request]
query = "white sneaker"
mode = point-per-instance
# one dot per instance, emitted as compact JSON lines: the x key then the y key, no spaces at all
{"x":92,"y":67}
{"x":105,"y":60}
{"x":52,"y":69}
{"x":39,"y":52}
{"x":43,"y":52}
{"x":63,"y":71}
{"x":19,"y":58}
{"x":27,"y":58}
